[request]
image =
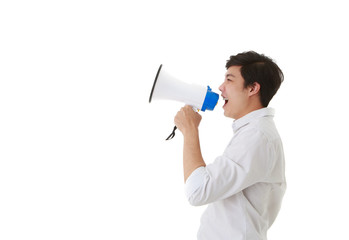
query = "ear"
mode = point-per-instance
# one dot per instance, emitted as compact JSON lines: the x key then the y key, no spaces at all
{"x":254,"y":88}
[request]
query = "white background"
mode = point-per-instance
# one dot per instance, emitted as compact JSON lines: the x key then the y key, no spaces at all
{"x":82,"y":152}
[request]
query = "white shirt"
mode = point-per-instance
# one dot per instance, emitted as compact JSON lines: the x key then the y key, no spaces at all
{"x":244,"y":187}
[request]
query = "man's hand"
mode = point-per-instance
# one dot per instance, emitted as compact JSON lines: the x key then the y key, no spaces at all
{"x":187,"y":120}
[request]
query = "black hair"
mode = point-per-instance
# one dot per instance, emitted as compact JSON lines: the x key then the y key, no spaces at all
{"x":261,"y":69}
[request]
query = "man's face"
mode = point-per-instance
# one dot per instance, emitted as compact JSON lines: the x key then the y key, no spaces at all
{"x":233,"y":92}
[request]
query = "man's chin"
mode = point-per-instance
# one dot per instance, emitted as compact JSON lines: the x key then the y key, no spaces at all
{"x":226,"y":114}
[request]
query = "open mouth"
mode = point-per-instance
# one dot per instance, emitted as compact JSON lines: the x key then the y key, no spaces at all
{"x":225,"y":100}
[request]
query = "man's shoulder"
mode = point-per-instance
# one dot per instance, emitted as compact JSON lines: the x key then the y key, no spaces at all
{"x":264,"y":128}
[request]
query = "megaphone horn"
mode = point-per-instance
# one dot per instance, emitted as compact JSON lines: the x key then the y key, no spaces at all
{"x":168,"y":87}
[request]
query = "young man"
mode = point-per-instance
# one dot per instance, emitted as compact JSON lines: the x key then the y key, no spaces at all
{"x":243,"y":187}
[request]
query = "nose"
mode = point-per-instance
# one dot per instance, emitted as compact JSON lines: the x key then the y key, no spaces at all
{"x":221,"y":87}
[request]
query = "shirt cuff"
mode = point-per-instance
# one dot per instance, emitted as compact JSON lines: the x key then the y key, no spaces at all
{"x":194,"y":181}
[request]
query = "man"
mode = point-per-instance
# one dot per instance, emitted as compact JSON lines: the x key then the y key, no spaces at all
{"x":243,"y":187}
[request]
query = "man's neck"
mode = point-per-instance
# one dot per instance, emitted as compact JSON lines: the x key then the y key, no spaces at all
{"x":250,"y":108}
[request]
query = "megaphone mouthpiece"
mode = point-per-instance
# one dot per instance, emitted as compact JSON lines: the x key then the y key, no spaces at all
{"x":211,"y":100}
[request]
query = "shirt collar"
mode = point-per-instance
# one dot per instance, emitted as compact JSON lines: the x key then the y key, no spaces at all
{"x":263,"y":112}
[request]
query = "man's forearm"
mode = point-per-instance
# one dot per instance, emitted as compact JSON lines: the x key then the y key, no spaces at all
{"x":192,"y":157}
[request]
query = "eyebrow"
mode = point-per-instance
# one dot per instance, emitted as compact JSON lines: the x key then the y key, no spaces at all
{"x":229,"y":75}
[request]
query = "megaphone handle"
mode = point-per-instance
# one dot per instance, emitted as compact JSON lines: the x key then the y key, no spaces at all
{"x":172,"y":134}
{"x":175,"y":127}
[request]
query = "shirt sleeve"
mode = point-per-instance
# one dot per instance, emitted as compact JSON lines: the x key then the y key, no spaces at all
{"x":246,"y":161}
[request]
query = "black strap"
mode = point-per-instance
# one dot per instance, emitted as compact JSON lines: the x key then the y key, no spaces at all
{"x":172,"y":134}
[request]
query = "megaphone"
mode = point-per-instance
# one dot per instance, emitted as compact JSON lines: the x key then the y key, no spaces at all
{"x":167,"y":87}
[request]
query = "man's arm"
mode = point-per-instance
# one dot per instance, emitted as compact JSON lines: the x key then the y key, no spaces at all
{"x":192,"y":157}
{"x":187,"y":121}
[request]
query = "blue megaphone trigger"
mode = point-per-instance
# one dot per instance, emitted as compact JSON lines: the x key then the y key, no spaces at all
{"x":210,"y":101}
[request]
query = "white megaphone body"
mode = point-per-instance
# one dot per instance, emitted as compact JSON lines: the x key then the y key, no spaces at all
{"x":167,"y":87}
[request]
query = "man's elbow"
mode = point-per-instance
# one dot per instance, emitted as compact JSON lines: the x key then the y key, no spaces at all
{"x":196,"y":200}
{"x":196,"y":187}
